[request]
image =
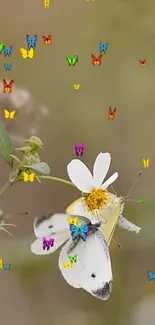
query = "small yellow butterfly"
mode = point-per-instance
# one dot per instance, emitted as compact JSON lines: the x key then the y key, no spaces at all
{"x":77,"y":87}
{"x":27,"y":54}
{"x":146,"y":163}
{"x":67,"y":265}
{"x":73,"y":221}
{"x":9,"y":114}
{"x":29,"y":177}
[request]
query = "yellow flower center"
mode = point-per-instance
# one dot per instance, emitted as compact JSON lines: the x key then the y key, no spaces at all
{"x":95,"y":200}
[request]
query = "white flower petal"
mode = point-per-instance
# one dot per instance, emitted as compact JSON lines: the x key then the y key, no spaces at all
{"x":109,"y":181}
{"x":80,"y":175}
{"x":101,"y":167}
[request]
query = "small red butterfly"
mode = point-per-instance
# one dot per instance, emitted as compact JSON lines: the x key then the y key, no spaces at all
{"x":96,"y":61}
{"x":143,"y":63}
{"x":111,"y":113}
{"x":7,"y":87}
{"x":47,"y":40}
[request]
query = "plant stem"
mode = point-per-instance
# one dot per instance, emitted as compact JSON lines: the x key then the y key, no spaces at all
{"x":57,"y":179}
{"x":5,"y":188}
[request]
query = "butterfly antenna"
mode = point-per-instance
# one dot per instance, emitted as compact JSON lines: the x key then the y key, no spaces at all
{"x":132,"y":187}
{"x":113,"y":190}
{"x":6,"y":231}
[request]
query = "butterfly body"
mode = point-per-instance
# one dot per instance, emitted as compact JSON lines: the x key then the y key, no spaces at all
{"x":31,"y":41}
{"x":7,"y":50}
{"x":8,"y":114}
{"x":7,"y":87}
{"x":7,"y":66}
{"x":47,"y":40}
{"x":103,"y":47}
{"x":143,"y":63}
{"x":72,"y":61}
{"x":111,"y":113}
{"x":79,"y":232}
{"x":96,"y":61}
{"x":28,"y":177}
{"x":27,"y":54}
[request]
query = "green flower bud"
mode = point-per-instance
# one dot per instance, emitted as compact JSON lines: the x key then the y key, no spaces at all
{"x":31,"y":159}
{"x":35,"y":143}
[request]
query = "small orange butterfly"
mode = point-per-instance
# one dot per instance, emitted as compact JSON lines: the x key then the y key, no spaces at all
{"x":111,"y":113}
{"x":7,"y":87}
{"x":47,"y":40}
{"x":96,"y":61}
{"x":143,"y":63}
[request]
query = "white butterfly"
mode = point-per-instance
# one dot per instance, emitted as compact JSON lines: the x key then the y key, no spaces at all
{"x":92,"y":271}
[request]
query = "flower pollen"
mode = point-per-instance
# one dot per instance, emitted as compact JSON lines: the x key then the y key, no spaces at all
{"x":95,"y":200}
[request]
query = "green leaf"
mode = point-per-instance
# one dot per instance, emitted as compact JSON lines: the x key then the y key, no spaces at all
{"x":15,"y":158}
{"x":6,"y":145}
{"x":40,"y":167}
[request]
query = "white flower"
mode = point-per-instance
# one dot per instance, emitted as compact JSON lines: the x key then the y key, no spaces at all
{"x":93,"y":186}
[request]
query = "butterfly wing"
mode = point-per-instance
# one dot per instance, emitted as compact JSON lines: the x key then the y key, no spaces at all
{"x":31,"y":53}
{"x":98,"y":60}
{"x":1,"y":47}
{"x":69,"y":59}
{"x":49,"y":39}
{"x":92,"y":271}
{"x":74,"y":59}
{"x":5,"y":86}
{"x":44,"y":40}
{"x":9,"y":50}
{"x":6,"y":113}
{"x":25,"y":177}
{"x":12,"y":114}
{"x":9,"y":86}
{"x":94,"y":60}
{"x":5,"y":50}
{"x":23,"y":53}
{"x":32,"y":177}
{"x":55,"y":226}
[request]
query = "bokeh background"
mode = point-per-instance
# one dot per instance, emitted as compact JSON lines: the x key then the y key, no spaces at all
{"x":33,"y":292}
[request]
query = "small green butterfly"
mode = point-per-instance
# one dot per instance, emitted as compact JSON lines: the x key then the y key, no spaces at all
{"x":1,"y":47}
{"x":72,"y":61}
{"x":141,"y":199}
{"x":73,"y":258}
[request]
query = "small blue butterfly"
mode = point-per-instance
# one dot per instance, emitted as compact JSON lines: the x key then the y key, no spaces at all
{"x":79,"y":232}
{"x":7,"y":50}
{"x":6,"y":266}
{"x":31,"y":41}
{"x":7,"y":66}
{"x":103,"y":47}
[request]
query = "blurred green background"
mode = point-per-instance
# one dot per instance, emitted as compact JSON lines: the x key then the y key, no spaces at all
{"x":33,"y":291}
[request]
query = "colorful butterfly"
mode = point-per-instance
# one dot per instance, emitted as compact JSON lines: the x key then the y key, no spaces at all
{"x":8,"y":114}
{"x":96,"y":61}
{"x":72,"y":61}
{"x":111,"y":113}
{"x":73,"y":258}
{"x":7,"y":87}
{"x":1,"y":47}
{"x":27,"y":54}
{"x":6,"y":266}
{"x":143,"y":63}
{"x":46,"y":3}
{"x":67,"y":265}
{"x":146,"y":162}
{"x":76,"y":86}
{"x":103,"y":47}
{"x":31,"y":41}
{"x":47,"y":243}
{"x":47,"y":40}
{"x":7,"y":50}
{"x":81,"y":232}
{"x":29,"y":177}
{"x":73,"y":221}
{"x":7,"y":66}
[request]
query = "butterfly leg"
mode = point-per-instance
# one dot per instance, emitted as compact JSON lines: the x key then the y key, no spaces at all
{"x":127,"y":225}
